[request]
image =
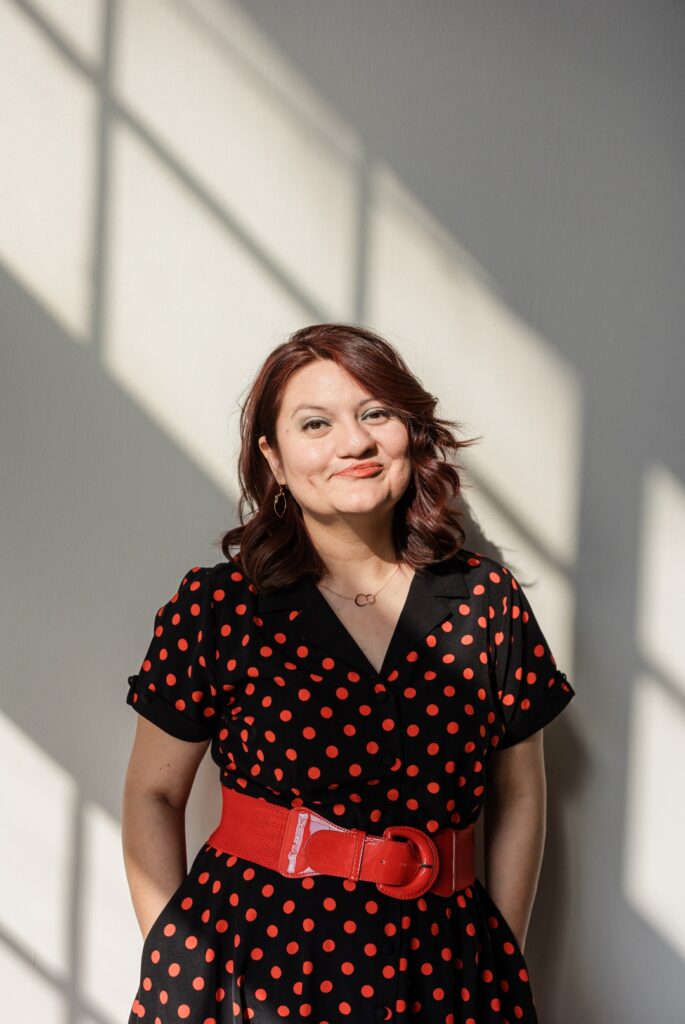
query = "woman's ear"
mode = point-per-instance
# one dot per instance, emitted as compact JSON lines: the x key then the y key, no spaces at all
{"x":269,"y":454}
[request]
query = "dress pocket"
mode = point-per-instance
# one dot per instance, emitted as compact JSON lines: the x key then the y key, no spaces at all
{"x":503,"y":930}
{"x":161,"y":919}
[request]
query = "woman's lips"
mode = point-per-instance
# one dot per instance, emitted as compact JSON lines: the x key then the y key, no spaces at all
{"x":362,"y":471}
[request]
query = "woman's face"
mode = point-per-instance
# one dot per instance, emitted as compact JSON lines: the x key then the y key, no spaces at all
{"x":328,"y":423}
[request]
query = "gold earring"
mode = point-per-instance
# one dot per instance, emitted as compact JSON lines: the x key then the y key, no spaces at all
{"x":281,"y":494}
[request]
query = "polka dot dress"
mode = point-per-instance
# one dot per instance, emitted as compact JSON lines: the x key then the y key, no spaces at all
{"x":297,"y":715}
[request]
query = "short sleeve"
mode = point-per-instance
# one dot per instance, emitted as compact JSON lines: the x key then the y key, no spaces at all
{"x":530,"y":688}
{"x":175,"y":687}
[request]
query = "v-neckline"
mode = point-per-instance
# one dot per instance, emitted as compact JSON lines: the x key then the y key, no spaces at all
{"x":336,"y":622}
{"x":429,"y":601}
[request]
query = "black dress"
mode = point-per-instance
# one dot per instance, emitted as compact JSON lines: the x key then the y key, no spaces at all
{"x":297,"y":715}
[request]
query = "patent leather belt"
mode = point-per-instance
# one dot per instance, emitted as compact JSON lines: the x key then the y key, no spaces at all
{"x":298,"y":841}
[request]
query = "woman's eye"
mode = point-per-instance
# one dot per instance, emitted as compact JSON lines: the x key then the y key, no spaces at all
{"x":373,"y":412}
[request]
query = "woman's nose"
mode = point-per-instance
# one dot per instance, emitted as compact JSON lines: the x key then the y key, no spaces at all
{"x":358,"y":436}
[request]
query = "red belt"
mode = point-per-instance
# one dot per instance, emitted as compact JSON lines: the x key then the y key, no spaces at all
{"x":298,"y":841}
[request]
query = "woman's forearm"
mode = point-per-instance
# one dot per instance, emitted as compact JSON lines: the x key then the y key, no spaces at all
{"x":514,"y":844}
{"x":154,"y":847}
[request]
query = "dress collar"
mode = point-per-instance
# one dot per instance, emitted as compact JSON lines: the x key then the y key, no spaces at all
{"x":429,"y":602}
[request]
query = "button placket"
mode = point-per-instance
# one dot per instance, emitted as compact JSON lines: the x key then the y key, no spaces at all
{"x":388,"y":758}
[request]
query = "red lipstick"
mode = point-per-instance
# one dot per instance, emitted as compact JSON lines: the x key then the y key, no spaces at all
{"x":362,"y":469}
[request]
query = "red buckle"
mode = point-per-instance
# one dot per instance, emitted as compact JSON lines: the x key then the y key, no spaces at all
{"x":314,"y":845}
{"x":428,"y":863}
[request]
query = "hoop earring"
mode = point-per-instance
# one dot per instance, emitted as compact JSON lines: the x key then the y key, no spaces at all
{"x":281,"y":494}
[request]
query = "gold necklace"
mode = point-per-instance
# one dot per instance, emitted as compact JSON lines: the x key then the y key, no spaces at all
{"x":363,"y":599}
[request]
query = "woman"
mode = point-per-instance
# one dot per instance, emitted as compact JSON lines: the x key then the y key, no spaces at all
{"x":359,"y":675}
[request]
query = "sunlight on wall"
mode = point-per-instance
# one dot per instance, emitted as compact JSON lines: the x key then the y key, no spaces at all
{"x":654,"y":844}
{"x":39,"y":806}
{"x":23,"y":985}
{"x":263,"y":146}
{"x":655,"y":828}
{"x":661,"y":581}
{"x":189,"y":308}
{"x":111,"y":938}
{"x":38,"y":801}
{"x":48,"y":120}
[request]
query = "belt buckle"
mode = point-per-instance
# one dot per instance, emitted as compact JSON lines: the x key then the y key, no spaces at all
{"x":428,"y":865}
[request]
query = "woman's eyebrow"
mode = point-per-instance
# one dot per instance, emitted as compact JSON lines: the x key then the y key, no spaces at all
{"x":322,"y":408}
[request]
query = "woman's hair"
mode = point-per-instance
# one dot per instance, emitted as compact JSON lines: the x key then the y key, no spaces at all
{"x":276,"y":552}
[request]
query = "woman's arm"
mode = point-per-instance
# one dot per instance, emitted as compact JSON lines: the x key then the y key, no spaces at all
{"x":514,"y":830}
{"x":158,"y":782}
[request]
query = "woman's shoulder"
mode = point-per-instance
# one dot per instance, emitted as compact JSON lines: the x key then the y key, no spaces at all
{"x":228,"y":573}
{"x":478,"y":567}
{"x":480,"y":560}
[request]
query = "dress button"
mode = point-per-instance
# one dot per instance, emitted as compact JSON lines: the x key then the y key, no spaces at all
{"x":387,"y":948}
{"x":382,"y":696}
{"x":389,"y":760}
{"x":379,"y":1012}
{"x":146,"y":697}
{"x":131,"y":680}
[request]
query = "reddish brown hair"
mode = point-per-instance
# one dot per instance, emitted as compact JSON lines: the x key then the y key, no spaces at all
{"x":275,"y":552}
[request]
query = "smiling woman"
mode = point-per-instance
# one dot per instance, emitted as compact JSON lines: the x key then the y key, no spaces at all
{"x":357,"y":672}
{"x":330,"y":399}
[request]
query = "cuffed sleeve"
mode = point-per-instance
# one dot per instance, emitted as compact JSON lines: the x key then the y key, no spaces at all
{"x":175,"y":686}
{"x":530,"y":688}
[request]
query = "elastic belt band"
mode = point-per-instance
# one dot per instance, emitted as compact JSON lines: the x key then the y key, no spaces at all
{"x":298,"y":841}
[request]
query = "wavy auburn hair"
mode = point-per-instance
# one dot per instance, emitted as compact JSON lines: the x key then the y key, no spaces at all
{"x":276,"y":552}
